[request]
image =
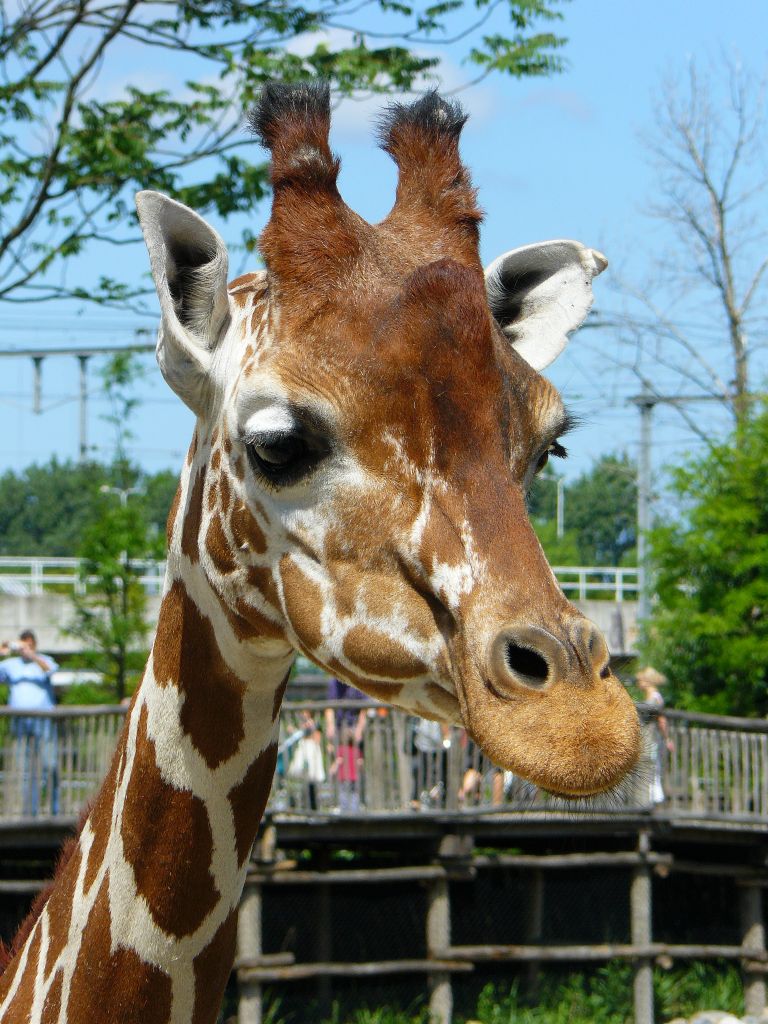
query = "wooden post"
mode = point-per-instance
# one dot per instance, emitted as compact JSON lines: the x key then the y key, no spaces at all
{"x":249,"y":948}
{"x":752,"y":938}
{"x":439,"y":939}
{"x":323,"y":934}
{"x":640,"y":909}
{"x":452,"y":848}
{"x":534,"y":930}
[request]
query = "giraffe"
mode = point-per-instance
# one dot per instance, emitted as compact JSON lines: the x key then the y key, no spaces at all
{"x":369,"y":415}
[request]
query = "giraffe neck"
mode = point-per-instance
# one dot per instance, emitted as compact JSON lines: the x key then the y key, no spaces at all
{"x":140,"y":925}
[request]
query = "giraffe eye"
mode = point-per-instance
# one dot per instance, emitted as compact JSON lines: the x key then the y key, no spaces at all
{"x":282,"y":458}
{"x":556,"y":450}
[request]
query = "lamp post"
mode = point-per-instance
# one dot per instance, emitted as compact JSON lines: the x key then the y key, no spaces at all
{"x":122,"y":492}
{"x":559,"y":482}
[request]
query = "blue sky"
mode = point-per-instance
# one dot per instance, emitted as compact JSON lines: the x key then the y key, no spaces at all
{"x":558,"y":157}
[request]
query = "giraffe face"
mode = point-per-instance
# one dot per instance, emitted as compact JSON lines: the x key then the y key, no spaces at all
{"x":370,"y":418}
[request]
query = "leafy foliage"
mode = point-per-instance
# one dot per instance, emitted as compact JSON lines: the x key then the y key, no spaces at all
{"x":602,"y":996}
{"x":110,"y":615}
{"x":45,"y":510}
{"x":709,"y":630}
{"x":600,"y":514}
{"x":71,"y":154}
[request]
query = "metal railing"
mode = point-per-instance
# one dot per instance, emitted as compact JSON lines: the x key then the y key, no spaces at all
{"x":34,"y":576}
{"x":22,"y":576}
{"x":359,"y":758}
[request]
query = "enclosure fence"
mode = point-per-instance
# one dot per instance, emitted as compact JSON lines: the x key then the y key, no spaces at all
{"x":359,"y":758}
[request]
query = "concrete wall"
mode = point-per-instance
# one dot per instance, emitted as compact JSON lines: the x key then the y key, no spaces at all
{"x":49,"y":615}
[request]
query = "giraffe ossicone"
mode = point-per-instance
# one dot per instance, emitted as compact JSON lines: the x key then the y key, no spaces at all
{"x":369,"y":418}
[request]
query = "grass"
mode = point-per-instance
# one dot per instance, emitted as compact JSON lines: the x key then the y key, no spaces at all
{"x":602,"y":996}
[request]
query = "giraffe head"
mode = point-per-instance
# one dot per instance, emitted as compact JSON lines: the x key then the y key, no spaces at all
{"x":370,"y":417}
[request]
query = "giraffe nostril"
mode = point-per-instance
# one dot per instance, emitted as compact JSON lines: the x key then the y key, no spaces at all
{"x":525,"y":657}
{"x":528,"y":664}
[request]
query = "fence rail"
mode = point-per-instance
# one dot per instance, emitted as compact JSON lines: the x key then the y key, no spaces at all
{"x":22,"y":576}
{"x":358,"y":758}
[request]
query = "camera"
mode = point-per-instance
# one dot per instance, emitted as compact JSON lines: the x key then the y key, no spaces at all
{"x":14,"y":647}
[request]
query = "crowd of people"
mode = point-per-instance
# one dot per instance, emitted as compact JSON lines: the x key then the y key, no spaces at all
{"x":314,"y":755}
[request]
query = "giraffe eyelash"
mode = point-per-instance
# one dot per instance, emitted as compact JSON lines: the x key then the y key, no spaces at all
{"x":557,"y":450}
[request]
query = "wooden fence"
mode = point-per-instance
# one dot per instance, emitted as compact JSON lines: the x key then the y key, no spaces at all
{"x":358,"y":758}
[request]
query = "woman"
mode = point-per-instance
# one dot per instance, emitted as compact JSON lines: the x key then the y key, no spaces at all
{"x":649,"y":680}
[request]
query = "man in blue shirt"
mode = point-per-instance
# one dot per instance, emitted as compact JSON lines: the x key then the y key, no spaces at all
{"x":27,"y":674}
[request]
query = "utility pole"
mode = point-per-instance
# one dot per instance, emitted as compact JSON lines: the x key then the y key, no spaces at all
{"x":82,"y":354}
{"x":645,"y":403}
{"x":83,"y":446}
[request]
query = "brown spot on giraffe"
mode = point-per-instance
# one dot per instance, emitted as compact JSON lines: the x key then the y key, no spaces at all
{"x":167,"y":840}
{"x":374,"y":653}
{"x":22,"y":1004}
{"x":261,"y":578}
{"x":192,"y":450}
{"x":60,"y":914}
{"x":218,"y":547}
{"x":249,"y":798}
{"x":174,"y":510}
{"x":387,"y":692}
{"x":115,"y":985}
{"x":225,"y":494}
{"x":193,"y":515}
{"x":246,"y":532}
{"x":304,"y":602}
{"x":52,"y":1007}
{"x":279,"y":694}
{"x":238,"y":466}
{"x":212,"y":969}
{"x":186,"y":655}
{"x":101,"y":816}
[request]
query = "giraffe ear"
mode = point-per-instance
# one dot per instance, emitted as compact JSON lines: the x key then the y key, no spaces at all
{"x":189,"y":265}
{"x":540,"y":293}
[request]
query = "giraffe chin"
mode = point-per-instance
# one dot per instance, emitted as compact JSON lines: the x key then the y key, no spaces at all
{"x":574,"y":745}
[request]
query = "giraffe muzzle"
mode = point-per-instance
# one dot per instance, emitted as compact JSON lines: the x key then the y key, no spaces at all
{"x":548,"y":708}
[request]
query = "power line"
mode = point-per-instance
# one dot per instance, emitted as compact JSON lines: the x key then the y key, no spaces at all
{"x":82,"y":353}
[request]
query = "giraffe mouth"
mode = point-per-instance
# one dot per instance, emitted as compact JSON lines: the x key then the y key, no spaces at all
{"x":574,"y":742}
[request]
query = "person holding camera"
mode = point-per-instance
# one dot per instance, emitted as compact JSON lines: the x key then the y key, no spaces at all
{"x":27,"y":673}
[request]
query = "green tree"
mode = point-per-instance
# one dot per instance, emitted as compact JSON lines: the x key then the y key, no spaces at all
{"x":709,"y":628}
{"x":601,"y":507}
{"x":599,"y":515}
{"x":110,"y":616}
{"x":71,"y":155}
{"x":46,"y":509}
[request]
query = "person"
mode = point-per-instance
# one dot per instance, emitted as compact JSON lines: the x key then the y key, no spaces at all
{"x":306,"y":761}
{"x":27,"y":673}
{"x":344,"y":728}
{"x":649,"y":680}
{"x":431,"y":743}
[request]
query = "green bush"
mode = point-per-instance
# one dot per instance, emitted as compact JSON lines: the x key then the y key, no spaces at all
{"x":601,"y":996}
